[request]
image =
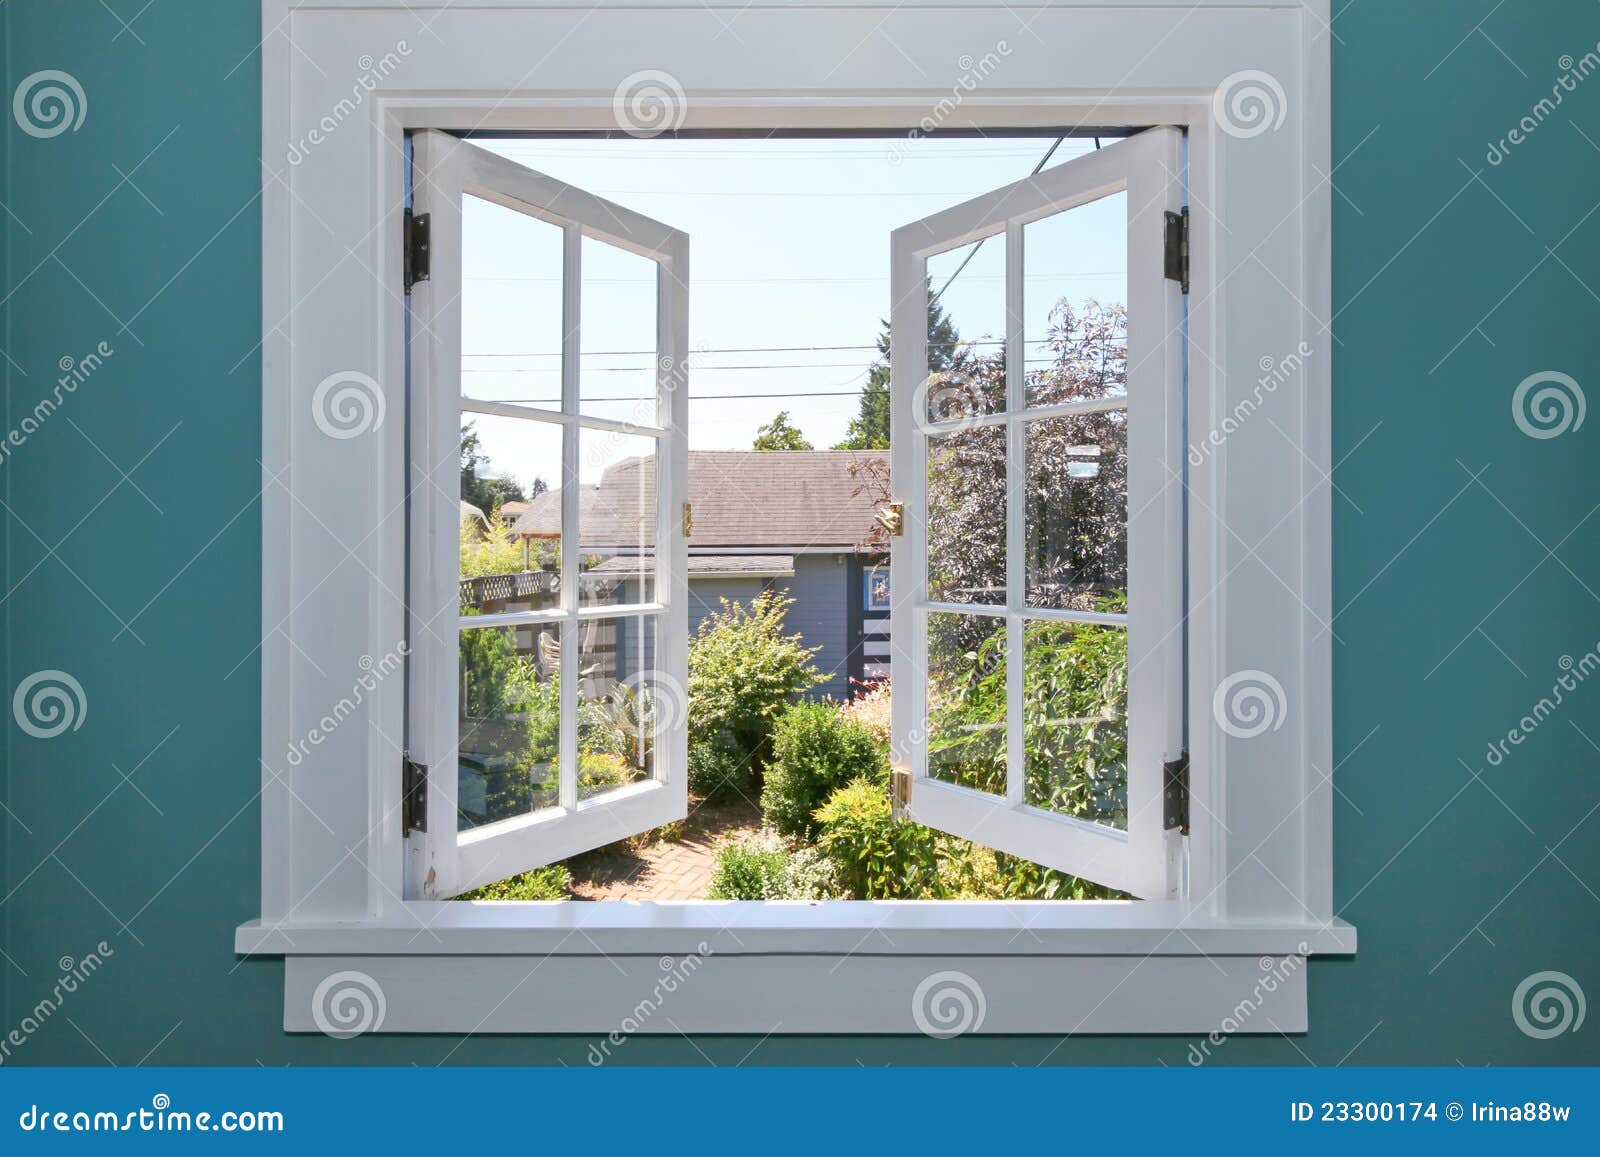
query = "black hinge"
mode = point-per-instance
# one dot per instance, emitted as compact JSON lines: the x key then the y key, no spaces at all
{"x":413,"y":796}
{"x":416,"y":247}
{"x":1177,"y":248}
{"x":1175,"y":793}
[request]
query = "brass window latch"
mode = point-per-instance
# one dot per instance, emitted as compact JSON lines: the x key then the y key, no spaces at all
{"x":899,"y":792}
{"x":893,"y":518}
{"x":688,"y":520}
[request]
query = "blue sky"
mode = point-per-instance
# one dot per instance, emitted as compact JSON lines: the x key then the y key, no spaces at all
{"x":789,"y":243}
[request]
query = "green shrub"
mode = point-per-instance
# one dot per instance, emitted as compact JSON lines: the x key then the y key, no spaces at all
{"x":810,"y":875}
{"x":878,"y":858}
{"x":717,"y":770}
{"x":540,"y":884}
{"x":1074,"y":716}
{"x":744,"y":672}
{"x":751,"y":869}
{"x":815,"y":751}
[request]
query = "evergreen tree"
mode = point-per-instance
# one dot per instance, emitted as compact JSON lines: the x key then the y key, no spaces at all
{"x":869,"y":429}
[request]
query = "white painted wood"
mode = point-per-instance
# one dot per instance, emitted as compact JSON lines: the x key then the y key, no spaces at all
{"x":443,"y":860}
{"x":332,"y":854}
{"x":847,"y":993}
{"x":929,"y":927}
{"x":1149,"y":167}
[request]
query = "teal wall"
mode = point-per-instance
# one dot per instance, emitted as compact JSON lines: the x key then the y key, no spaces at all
{"x":132,"y":554}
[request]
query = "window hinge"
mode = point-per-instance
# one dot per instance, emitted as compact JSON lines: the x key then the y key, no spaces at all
{"x":688,"y":520}
{"x":413,"y":795}
{"x":893,"y":519}
{"x":1177,"y":248}
{"x":899,"y":791}
{"x":1175,"y":793}
{"x":416,"y":248}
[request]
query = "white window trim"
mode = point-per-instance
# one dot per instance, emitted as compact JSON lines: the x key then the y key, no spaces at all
{"x":1260,"y":855}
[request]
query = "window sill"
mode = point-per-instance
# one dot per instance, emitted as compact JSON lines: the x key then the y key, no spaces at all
{"x":839,"y":967}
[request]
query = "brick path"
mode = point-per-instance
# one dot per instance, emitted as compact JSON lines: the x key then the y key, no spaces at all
{"x":678,"y":870}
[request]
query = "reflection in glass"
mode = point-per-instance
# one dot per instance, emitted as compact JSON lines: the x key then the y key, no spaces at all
{"x":510,"y":722}
{"x":617,"y":334}
{"x":1074,"y":303}
{"x":620,"y":703}
{"x":616,"y":518}
{"x":967,"y":517}
{"x":510,"y":305}
{"x":967,"y":700}
{"x":1075,"y":720}
{"x":1076,"y":510}
{"x":966,"y":333}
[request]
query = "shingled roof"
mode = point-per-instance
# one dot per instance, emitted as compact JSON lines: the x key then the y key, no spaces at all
{"x":741,"y":498}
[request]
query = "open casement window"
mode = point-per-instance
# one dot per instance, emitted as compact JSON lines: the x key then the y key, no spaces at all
{"x":548,"y":649}
{"x":1039,"y":460}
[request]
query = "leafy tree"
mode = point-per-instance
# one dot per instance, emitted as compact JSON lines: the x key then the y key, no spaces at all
{"x":488,"y":550}
{"x":781,"y":434}
{"x":484,"y":490}
{"x":869,"y":429}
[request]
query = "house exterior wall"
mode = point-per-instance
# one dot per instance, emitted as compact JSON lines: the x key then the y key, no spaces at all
{"x":705,"y":600}
{"x":820,"y":589}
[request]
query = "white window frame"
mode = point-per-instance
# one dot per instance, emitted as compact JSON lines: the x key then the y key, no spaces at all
{"x":1145,"y":858}
{"x":333,"y":511}
{"x":441,"y":860}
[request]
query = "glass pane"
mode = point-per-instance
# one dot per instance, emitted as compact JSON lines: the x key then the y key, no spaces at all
{"x":967,"y":700}
{"x":1075,"y":303}
{"x":620,"y":703}
{"x":1075,"y":720}
{"x":510,"y":514}
{"x":617,"y":334}
{"x":1077,"y":512}
{"x":510,"y":305}
{"x":510,"y":720}
{"x":966,"y":333}
{"x":967,"y":516}
{"x":617,"y":517}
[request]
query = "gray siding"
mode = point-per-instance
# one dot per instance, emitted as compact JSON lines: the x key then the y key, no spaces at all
{"x":820,"y":589}
{"x":705,"y":600}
